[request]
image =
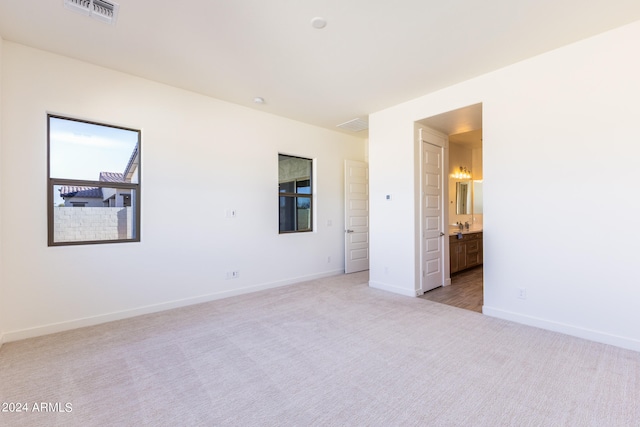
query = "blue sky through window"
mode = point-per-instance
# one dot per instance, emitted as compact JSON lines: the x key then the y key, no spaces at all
{"x":82,"y":150}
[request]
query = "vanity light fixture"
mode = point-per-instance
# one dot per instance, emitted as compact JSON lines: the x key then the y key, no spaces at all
{"x":463,"y":173}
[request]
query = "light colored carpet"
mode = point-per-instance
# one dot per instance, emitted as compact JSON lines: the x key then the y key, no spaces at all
{"x":330,"y":352}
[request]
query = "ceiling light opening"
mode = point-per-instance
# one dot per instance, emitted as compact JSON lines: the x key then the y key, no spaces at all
{"x":102,"y":10}
{"x":318,"y":23}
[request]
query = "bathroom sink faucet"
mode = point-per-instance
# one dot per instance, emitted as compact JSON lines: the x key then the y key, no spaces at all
{"x":466,"y":225}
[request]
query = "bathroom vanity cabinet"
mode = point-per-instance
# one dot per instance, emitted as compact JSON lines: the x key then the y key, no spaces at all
{"x":465,"y":252}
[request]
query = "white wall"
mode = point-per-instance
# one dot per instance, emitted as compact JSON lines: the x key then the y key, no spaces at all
{"x":200,"y":158}
{"x":560,"y":175}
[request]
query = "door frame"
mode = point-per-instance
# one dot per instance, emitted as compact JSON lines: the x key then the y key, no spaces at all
{"x":433,"y":137}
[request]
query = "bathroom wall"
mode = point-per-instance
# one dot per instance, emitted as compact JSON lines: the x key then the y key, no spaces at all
{"x":478,"y":185}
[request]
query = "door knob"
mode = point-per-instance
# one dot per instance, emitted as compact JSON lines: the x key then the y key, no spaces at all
{"x":349,"y":231}
{"x":441,"y":234}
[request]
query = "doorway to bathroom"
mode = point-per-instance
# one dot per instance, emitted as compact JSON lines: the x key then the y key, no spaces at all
{"x":462,"y":220}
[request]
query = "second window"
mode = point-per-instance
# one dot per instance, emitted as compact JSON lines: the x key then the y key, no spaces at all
{"x":295,"y":193}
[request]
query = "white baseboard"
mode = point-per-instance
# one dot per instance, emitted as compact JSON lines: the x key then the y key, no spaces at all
{"x":588,"y":334}
{"x":125,"y":314}
{"x":394,"y":289}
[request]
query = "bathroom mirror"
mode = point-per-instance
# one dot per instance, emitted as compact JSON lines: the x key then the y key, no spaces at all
{"x":463,"y":198}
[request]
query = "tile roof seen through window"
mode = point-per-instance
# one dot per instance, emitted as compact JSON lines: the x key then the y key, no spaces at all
{"x":111,"y":177}
{"x":75,"y":191}
{"x":91,"y":192}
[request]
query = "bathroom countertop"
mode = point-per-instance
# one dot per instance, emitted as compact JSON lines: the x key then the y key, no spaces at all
{"x":473,"y":229}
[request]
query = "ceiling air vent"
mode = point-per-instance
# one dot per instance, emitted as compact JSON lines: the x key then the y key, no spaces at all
{"x":102,"y":10}
{"x":355,"y":125}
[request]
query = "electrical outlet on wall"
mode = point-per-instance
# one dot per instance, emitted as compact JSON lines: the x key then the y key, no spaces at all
{"x":522,"y":293}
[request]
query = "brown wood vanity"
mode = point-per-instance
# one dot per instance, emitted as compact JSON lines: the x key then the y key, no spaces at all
{"x":465,"y":252}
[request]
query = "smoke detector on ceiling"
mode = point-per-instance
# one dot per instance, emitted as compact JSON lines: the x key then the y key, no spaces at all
{"x":102,"y":10}
{"x":355,"y":125}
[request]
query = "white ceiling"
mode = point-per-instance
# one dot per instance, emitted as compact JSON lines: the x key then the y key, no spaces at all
{"x":373,"y":54}
{"x":471,"y":139}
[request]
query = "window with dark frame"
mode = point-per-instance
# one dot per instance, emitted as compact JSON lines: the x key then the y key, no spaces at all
{"x":295,"y":195}
{"x":93,"y":185}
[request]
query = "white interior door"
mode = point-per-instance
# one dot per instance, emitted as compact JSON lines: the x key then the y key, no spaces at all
{"x":356,"y":237}
{"x":432,"y":211}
